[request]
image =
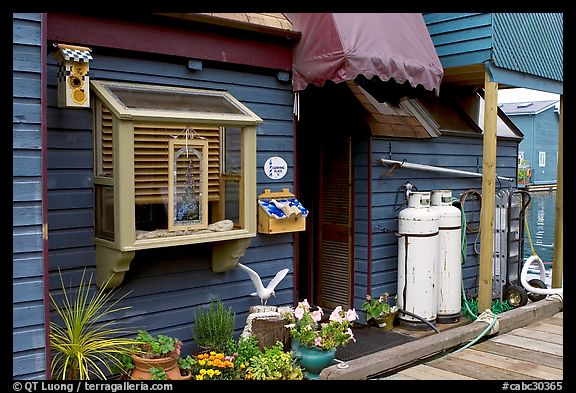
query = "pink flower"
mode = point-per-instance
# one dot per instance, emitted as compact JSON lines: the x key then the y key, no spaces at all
{"x":304,"y":304}
{"x":349,"y":331}
{"x":318,"y":341}
{"x":335,"y":316}
{"x":317,"y":315}
{"x":351,"y":315}
{"x":299,"y":312}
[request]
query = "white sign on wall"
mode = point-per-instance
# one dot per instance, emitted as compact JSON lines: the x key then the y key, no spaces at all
{"x":275,"y":168}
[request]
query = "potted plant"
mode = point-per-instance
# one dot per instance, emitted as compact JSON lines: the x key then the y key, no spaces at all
{"x":314,"y":342}
{"x":274,"y":364}
{"x":84,"y":344}
{"x":153,"y":352}
{"x":185,"y":365}
{"x":213,"y":327}
{"x":212,"y":366}
{"x":380,"y":311}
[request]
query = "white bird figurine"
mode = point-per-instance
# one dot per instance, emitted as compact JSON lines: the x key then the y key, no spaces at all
{"x":264,"y":293}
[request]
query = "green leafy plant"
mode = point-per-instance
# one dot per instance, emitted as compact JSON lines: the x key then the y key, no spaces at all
{"x":158,"y":373}
{"x":185,"y":363}
{"x":274,"y":364}
{"x":85,"y":345}
{"x":244,"y":349}
{"x":376,"y":307}
{"x":306,"y":327}
{"x":213,"y":327}
{"x":524,"y":172}
{"x":161,"y":346}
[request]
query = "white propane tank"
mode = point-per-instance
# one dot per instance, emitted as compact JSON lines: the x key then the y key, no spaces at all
{"x":418,"y":261}
{"x":450,"y":256}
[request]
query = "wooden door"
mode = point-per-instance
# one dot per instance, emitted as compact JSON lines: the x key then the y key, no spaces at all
{"x":335,"y":236}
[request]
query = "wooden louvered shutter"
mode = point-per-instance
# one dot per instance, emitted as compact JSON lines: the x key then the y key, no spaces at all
{"x":151,"y":156}
{"x":335,"y":235}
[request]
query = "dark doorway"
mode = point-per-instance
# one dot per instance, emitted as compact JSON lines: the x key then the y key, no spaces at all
{"x":325,"y":137}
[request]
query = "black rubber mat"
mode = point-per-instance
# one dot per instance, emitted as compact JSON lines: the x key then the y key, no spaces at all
{"x":370,"y":340}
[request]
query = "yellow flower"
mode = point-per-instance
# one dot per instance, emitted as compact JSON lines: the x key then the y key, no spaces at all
{"x":217,"y":372}
{"x":210,"y":372}
{"x":199,"y":377}
{"x":202,"y":371}
{"x":201,"y":362}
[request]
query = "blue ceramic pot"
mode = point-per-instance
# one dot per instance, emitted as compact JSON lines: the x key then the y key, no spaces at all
{"x":311,"y":359}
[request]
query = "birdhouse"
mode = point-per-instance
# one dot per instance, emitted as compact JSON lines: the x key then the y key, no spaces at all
{"x":280,"y":212}
{"x":73,"y":79}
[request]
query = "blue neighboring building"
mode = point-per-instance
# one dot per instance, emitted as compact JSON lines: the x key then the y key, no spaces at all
{"x":538,"y":151}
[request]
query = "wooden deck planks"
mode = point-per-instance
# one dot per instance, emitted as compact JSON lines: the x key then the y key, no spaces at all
{"x":539,"y":335}
{"x":532,"y":370}
{"x":521,"y":353}
{"x":555,"y":321}
{"x":529,"y":343}
{"x":547,"y":327}
{"x":474,"y":370}
{"x":534,"y":352}
{"x":423,"y":371}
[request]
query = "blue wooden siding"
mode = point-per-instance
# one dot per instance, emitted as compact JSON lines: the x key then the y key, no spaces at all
{"x":540,"y":135}
{"x":530,"y":43}
{"x":461,"y":38}
{"x":166,"y":286}
{"x":361,"y":224}
{"x":461,"y":153}
{"x":28,"y":342}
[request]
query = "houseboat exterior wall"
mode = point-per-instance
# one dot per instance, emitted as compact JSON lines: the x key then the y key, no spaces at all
{"x":28,"y":330}
{"x":386,"y":199}
{"x":166,"y":285}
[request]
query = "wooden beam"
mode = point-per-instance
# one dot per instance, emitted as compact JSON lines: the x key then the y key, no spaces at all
{"x":558,"y":259}
{"x":488,"y":194}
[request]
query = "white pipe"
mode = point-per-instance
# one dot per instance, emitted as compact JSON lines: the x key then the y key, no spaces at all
{"x":409,"y":165}
{"x":530,"y":288}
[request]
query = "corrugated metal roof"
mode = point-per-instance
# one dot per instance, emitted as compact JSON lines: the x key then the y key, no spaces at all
{"x":526,"y":107}
{"x":531,"y":43}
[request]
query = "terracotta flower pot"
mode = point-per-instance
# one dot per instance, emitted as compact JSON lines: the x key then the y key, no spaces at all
{"x":142,"y":365}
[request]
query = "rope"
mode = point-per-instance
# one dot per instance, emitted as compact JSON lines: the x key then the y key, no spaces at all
{"x":492,"y":328}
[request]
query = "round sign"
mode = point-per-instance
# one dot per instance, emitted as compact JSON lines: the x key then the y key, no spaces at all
{"x":275,"y":168}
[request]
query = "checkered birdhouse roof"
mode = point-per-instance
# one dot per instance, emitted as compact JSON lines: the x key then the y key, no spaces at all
{"x":75,"y":54}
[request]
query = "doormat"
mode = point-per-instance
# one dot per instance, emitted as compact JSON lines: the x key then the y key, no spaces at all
{"x":370,"y":340}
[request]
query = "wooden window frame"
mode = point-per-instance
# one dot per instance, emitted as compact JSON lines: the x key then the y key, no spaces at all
{"x":123,"y":180}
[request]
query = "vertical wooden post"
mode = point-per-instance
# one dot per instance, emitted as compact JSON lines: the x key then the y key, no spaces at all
{"x":558,"y":261}
{"x":488,"y":194}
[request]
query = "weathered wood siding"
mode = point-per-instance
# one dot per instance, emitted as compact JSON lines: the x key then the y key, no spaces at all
{"x":460,"y":153}
{"x":540,"y":135}
{"x":166,"y":285}
{"x":28,"y":342}
{"x":461,"y":38}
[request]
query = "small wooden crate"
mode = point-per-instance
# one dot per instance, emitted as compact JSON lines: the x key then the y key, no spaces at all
{"x":271,"y":225}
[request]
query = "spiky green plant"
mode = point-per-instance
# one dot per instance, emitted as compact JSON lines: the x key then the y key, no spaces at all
{"x":213,"y":327}
{"x":84,"y":346}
